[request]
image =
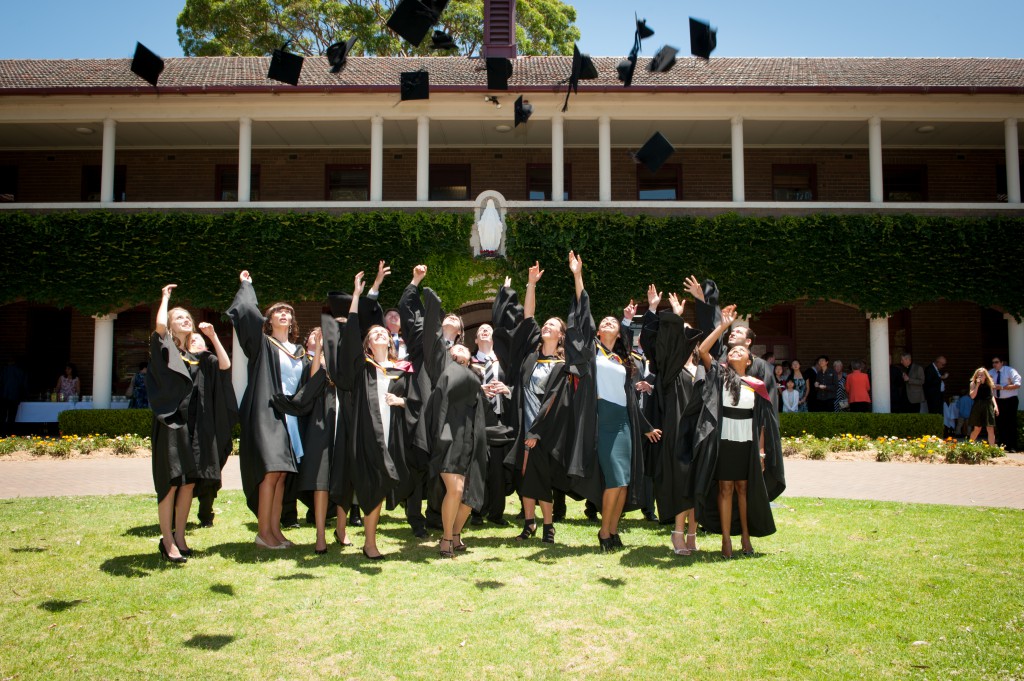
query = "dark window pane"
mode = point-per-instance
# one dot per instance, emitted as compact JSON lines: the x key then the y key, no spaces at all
{"x":449,"y":183}
{"x":905,"y":183}
{"x":538,"y":182}
{"x":92,"y":177}
{"x":8,"y":184}
{"x":664,"y":185}
{"x":348,"y":183}
{"x":227,"y":183}
{"x":794,"y":182}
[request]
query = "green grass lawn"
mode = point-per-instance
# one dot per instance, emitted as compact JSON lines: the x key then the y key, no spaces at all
{"x":845,"y":589}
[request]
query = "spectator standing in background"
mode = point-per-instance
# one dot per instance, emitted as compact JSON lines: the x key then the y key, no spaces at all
{"x":858,"y":388}
{"x":137,"y":392}
{"x":915,"y":386}
{"x":824,"y":393}
{"x":935,"y":384}
{"x":1006,"y":381}
{"x":842,"y":402}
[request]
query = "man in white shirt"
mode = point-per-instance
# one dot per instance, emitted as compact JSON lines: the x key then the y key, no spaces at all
{"x":499,"y":396}
{"x":1007,"y":386}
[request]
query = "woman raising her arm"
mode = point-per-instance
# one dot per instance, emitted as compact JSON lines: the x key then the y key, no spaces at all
{"x":737,"y":477}
{"x":193,"y":412}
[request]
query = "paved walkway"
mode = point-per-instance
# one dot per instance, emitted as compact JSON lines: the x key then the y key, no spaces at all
{"x":920,"y":483}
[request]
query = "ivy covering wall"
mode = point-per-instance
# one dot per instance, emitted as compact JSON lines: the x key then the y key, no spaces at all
{"x":99,"y":262}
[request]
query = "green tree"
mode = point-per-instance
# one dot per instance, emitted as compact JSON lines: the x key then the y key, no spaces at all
{"x":256,"y":27}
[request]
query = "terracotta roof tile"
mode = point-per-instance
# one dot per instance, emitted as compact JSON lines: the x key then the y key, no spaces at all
{"x":530,"y":74}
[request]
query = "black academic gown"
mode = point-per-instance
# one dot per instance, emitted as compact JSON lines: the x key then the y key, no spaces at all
{"x":452,"y":429}
{"x":762,"y":487}
{"x":668,"y":343}
{"x":376,"y":464}
{"x":194,"y":410}
{"x":543,"y":468}
{"x":584,"y":467}
{"x":317,"y":429}
{"x":265,"y":446}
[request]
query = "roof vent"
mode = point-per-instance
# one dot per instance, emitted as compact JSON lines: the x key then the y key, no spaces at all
{"x":500,"y":28}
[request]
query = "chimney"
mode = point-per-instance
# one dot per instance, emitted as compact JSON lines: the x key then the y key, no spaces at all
{"x":499,"y":28}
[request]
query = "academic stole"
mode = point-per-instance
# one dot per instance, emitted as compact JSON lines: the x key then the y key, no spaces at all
{"x":553,"y":360}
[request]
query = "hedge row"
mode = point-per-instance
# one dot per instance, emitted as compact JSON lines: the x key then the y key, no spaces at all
{"x":109,"y":422}
{"x":98,"y":261}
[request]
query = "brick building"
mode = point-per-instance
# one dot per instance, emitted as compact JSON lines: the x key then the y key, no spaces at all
{"x":752,"y":136}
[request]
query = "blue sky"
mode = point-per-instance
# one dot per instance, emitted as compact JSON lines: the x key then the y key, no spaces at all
{"x":51,"y":29}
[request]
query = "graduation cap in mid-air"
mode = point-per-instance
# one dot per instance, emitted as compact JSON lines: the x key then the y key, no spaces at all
{"x":655,"y":151}
{"x":523,"y":111}
{"x":413,"y":19}
{"x":499,"y":70}
{"x":369,"y":311}
{"x":627,"y":67}
{"x":442,"y":41}
{"x":415,"y":85}
{"x":664,"y":59}
{"x":338,"y":53}
{"x":285,"y":66}
{"x":146,"y":64}
{"x":583,"y":68}
{"x":703,"y":38}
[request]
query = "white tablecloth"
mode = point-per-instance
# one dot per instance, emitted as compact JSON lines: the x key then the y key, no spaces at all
{"x":46,"y":412}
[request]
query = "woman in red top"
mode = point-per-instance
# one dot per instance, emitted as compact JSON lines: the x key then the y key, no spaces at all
{"x":858,"y":388}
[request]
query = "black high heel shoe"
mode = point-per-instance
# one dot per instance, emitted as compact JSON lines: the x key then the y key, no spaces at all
{"x":450,"y":553}
{"x":457,"y":543}
{"x":616,"y":541}
{"x":379,"y":556}
{"x":339,"y":540}
{"x":549,"y":534}
{"x":606,"y":544}
{"x":529,"y":529}
{"x":187,"y":552}
{"x":167,"y":556}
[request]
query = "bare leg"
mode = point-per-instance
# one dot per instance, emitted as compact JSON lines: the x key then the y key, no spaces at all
{"x":546,"y":509}
{"x":182,"y":505}
{"x":450,"y":504}
{"x":679,"y":532}
{"x":991,"y":435}
{"x":620,"y":504}
{"x":725,"y":490}
{"x":609,"y":500}
{"x":264,"y":510}
{"x":165,"y":514}
{"x":275,"y":509}
{"x":460,"y":522}
{"x":370,"y":521}
{"x":691,"y":532}
{"x":339,"y":529}
{"x":741,"y":496}
{"x":320,"y":516}
{"x":974,"y":433}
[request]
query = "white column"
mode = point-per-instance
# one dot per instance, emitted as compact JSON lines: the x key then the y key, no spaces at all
{"x":423,"y":159}
{"x":557,"y":158}
{"x":102,"y":360}
{"x":875,"y":159}
{"x":377,"y":158}
{"x":107,"y":167}
{"x":244,"y":159}
{"x":738,"y":183}
{"x":239,"y":367}
{"x":604,"y":158}
{"x":1015,"y":332}
{"x":878,"y":335}
{"x":1012,"y":161}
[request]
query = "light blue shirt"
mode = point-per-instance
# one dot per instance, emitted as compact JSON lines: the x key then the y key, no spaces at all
{"x":291,"y":374}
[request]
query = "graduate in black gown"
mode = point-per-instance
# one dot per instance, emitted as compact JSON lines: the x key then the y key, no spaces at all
{"x":669,"y":344}
{"x":193,"y":412}
{"x":270,"y":446}
{"x":739,"y":468}
{"x":491,"y":359}
{"x":317,"y":429}
{"x":376,"y":388}
{"x":607,"y":464}
{"x":542,"y":390}
{"x":452,"y":430}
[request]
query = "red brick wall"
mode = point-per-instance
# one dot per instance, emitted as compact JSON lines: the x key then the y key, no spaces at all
{"x":189,"y":175}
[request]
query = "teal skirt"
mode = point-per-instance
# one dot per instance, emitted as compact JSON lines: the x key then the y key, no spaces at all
{"x":614,"y":444}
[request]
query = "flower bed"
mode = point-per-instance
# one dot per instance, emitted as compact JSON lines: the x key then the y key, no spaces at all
{"x":926,"y":448}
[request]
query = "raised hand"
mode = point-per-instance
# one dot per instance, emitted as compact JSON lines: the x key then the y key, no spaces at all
{"x":382,"y":271}
{"x":535,"y":273}
{"x":694,"y":288}
{"x":575,"y":264}
{"x":508,"y":282}
{"x":244,"y":276}
{"x":207,"y":329}
{"x":166,"y":290}
{"x":629,"y":311}
{"x":677,"y":304}
{"x":418,"y":273}
{"x":653,"y":298}
{"x":728,"y":315}
{"x":358,"y":286}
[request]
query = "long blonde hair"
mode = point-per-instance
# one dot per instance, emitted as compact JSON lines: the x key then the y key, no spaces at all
{"x":984,"y":372}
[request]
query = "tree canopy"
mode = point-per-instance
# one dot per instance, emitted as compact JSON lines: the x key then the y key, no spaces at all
{"x":257,"y":27}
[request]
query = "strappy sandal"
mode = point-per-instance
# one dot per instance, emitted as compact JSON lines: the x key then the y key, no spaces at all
{"x":529,"y":529}
{"x":450,"y":553}
{"x":680,"y":552}
{"x":458,"y":543}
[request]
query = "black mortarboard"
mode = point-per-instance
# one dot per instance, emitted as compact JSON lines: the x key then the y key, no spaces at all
{"x":146,"y":64}
{"x":626,"y":68}
{"x":442,"y":41}
{"x":412,"y":19}
{"x":338,"y":53}
{"x":285,"y":66}
{"x":499,"y":70}
{"x":582,"y":69}
{"x":654,"y":152}
{"x":523,"y":111}
{"x":664,"y":59}
{"x":415,"y":85}
{"x":369,"y":311}
{"x":703,"y":38}
{"x":641,"y":29}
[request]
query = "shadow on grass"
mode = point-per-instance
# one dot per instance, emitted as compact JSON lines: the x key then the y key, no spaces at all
{"x":60,"y":606}
{"x":29,"y":549}
{"x":614,"y":583}
{"x":209,"y":641}
{"x":225,"y":589}
{"x":489,"y":584}
{"x":153,"y":530}
{"x":293,"y":576}
{"x":136,"y":565}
